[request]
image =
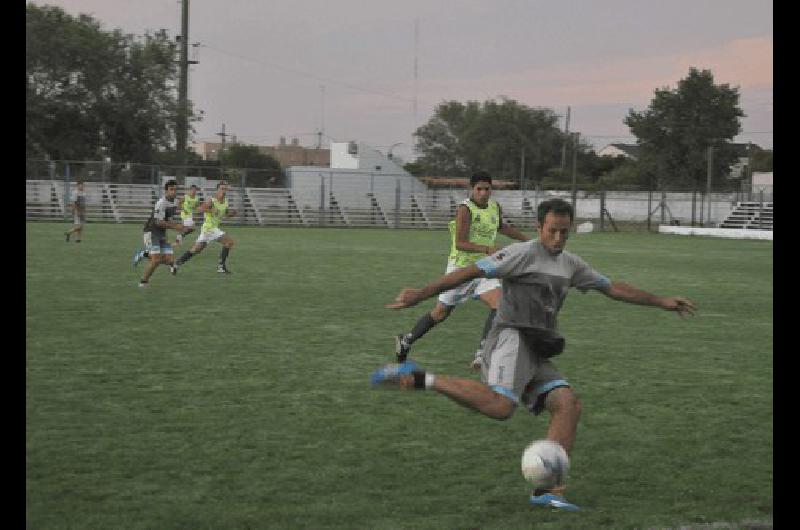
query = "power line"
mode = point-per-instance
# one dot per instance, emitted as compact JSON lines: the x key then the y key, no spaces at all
{"x":310,"y":75}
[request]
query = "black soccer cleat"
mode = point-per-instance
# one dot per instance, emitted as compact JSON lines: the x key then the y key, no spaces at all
{"x":173,"y":269}
{"x":401,"y":347}
{"x":222,"y":269}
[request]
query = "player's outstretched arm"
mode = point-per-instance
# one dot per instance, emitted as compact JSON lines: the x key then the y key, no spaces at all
{"x":513,"y":232}
{"x":409,"y":297}
{"x":628,"y":293}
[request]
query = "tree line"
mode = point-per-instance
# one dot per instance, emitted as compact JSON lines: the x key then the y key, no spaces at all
{"x":95,"y":94}
{"x":524,"y":144}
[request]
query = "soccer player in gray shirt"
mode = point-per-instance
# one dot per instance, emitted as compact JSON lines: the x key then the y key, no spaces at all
{"x":518,"y":368}
{"x":164,"y":216}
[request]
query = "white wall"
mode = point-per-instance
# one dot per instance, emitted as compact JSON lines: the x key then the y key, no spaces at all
{"x":340,"y":158}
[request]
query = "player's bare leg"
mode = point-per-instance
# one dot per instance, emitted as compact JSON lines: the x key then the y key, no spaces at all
{"x":155,"y":260}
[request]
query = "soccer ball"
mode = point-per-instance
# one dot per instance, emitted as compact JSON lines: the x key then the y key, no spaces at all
{"x":545,"y":464}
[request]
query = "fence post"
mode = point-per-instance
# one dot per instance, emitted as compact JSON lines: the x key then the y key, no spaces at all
{"x":244,"y":195}
{"x":694,"y":195}
{"x":397,"y":204}
{"x":761,"y":209}
{"x":67,"y":178}
{"x":321,"y":219}
{"x":602,"y":208}
{"x":662,"y":205}
{"x":649,"y":207}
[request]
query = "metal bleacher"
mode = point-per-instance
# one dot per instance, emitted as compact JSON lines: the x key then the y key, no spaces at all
{"x":124,"y":203}
{"x":750,"y":215}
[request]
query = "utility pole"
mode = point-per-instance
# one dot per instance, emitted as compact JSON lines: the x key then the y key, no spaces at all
{"x":221,"y":151}
{"x":564,"y":145}
{"x":575,"y":173}
{"x":182,"y":125}
{"x":322,"y":119}
{"x":416,"y":68}
{"x":708,"y":181}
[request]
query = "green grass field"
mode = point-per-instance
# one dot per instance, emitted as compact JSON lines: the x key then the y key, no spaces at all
{"x":242,"y":401}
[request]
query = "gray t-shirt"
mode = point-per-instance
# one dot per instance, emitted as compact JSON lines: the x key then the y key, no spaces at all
{"x":164,"y":210}
{"x":535,"y":283}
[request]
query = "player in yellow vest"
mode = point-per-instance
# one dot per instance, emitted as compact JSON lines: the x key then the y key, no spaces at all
{"x":187,"y":205}
{"x":472,"y":236}
{"x":214,"y":210}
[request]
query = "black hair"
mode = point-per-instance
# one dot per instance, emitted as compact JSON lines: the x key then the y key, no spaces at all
{"x":220,"y":183}
{"x":557,"y":206}
{"x":194,"y":186}
{"x":480,"y":176}
{"x":170,"y":182}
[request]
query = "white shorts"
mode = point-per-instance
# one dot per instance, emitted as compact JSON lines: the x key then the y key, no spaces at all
{"x":207,"y":236}
{"x":189,"y":221}
{"x":471,"y":289}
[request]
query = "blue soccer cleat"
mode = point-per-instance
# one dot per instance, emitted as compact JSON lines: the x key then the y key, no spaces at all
{"x":389,"y":375}
{"x":137,"y":257}
{"x":551,"y":500}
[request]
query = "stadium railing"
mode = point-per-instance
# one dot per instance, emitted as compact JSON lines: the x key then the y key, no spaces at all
{"x":349,"y":207}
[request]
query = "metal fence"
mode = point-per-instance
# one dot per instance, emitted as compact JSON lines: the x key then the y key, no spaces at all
{"x":127,"y":173}
{"x":47,"y":199}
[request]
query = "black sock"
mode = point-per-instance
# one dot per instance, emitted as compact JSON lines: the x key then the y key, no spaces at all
{"x":186,"y":257}
{"x":423,"y":325}
{"x":223,"y":255}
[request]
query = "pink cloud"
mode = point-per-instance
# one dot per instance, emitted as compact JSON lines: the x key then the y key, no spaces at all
{"x":746,"y":63}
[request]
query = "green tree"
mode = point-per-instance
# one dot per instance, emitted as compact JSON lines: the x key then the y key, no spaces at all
{"x":92,"y":93}
{"x":761,"y":160}
{"x":495,"y":136}
{"x":679,"y":126}
{"x":262,"y":170}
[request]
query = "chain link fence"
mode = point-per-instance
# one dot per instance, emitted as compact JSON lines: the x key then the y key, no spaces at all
{"x":126,"y":193}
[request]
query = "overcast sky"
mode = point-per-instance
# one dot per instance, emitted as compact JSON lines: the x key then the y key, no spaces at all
{"x":269,"y":69}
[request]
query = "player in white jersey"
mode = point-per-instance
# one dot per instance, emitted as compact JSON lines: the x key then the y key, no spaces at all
{"x":77,"y":204}
{"x":518,"y":368}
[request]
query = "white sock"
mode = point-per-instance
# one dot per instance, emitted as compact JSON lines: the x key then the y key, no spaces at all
{"x":429,"y":379}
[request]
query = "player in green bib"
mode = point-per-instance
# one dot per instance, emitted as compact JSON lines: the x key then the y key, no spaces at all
{"x":187,"y":205}
{"x":473,"y":235}
{"x":214,"y":210}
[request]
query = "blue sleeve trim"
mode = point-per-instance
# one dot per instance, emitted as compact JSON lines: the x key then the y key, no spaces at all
{"x":503,"y":391}
{"x":547,"y":387}
{"x":602,"y":283}
{"x":485,"y":264}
